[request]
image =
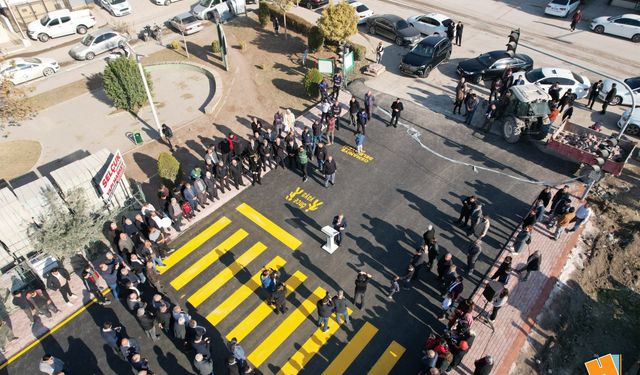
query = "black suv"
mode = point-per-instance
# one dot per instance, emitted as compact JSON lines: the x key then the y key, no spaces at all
{"x":426,"y":55}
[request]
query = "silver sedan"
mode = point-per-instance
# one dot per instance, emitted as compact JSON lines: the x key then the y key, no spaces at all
{"x":186,"y":23}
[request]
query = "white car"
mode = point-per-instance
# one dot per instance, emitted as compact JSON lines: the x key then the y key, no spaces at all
{"x":546,"y":77}
{"x":430,"y":24}
{"x":117,"y":8}
{"x":22,"y":70}
{"x":60,"y":23}
{"x":634,"y":123}
{"x":186,"y":23}
{"x":362,"y":11}
{"x":626,"y":26}
{"x":164,"y":2}
{"x":622,"y":95}
{"x":561,"y":8}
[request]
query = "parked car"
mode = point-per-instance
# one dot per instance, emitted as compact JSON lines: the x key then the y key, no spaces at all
{"x":312,"y":4}
{"x":626,"y":26}
{"x":362,"y":11}
{"x":96,"y":43}
{"x":60,"y":23}
{"x":117,"y":8}
{"x":164,"y":2}
{"x":622,"y":95}
{"x":426,"y":55}
{"x":186,"y":23}
{"x":430,"y":24}
{"x":493,"y":64}
{"x":394,"y":28}
{"x":210,"y":10}
{"x":634,"y":124}
{"x":545,"y":77}
{"x":561,"y":8}
{"x":21,"y":70}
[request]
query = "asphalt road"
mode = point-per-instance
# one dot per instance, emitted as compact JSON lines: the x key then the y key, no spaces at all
{"x":388,"y":202}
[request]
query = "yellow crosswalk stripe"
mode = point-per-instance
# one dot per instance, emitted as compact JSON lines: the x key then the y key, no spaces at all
{"x":226,"y":274}
{"x":341,"y":363}
{"x":312,"y":346}
{"x":243,"y":292}
{"x":269,"y":226}
{"x":285,"y":329}
{"x":194,"y":243}
{"x":389,"y":358}
{"x":263,"y":311}
{"x":207,"y":260}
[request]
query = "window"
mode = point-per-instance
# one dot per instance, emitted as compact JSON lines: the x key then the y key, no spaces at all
{"x":535,"y":75}
{"x":100,"y":39}
{"x":55,"y":22}
{"x":560,"y":2}
{"x":565,"y":81}
{"x":65,"y":19}
{"x":577,"y":78}
{"x":499,"y":65}
{"x":402,"y":24}
{"x":361,"y":8}
{"x":633,"y":83}
{"x":623,"y":21}
{"x":430,"y":21}
{"x":384,"y":23}
{"x":548,"y":81}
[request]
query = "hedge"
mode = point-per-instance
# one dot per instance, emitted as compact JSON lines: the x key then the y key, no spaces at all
{"x":294,"y":22}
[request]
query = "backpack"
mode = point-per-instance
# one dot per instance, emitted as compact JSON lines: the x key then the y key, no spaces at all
{"x":186,"y":208}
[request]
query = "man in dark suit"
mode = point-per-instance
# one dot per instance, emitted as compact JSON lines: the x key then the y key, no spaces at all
{"x":339,"y":224}
{"x":59,"y":280}
{"x":610,"y":95}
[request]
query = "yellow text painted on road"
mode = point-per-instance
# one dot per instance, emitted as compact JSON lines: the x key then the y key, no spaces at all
{"x":226,"y":274}
{"x":254,"y":319}
{"x":304,"y":200}
{"x":269,"y":226}
{"x":312,"y":346}
{"x":387,"y":360}
{"x":194,"y":243}
{"x":241,"y":294}
{"x":207,"y":260}
{"x":354,"y":153}
{"x":350,"y":352}
{"x":285,"y":329}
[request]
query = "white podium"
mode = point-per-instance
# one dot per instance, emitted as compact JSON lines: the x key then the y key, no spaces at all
{"x":331,"y":245}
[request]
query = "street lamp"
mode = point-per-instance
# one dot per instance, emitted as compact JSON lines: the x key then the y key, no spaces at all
{"x":146,"y":88}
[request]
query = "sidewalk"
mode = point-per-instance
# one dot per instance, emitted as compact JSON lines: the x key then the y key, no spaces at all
{"x":526,"y":299}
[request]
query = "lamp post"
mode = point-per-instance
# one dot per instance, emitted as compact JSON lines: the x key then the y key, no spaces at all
{"x":146,"y":89}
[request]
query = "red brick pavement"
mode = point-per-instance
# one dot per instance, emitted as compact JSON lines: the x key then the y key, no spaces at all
{"x":526,"y":299}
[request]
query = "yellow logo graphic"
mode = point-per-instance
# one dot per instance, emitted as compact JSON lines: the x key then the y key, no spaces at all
{"x":304,"y":200}
{"x":606,"y":365}
{"x":363,"y":157}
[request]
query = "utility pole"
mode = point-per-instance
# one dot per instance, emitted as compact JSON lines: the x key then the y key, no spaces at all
{"x":146,"y":89}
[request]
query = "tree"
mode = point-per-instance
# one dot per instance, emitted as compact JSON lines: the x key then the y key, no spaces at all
{"x":338,"y":21}
{"x":263,"y":13}
{"x":284,"y":6}
{"x":14,"y":105}
{"x":123,"y":84}
{"x":315,"y":39}
{"x":65,"y":229}
{"x":311,"y":82}
{"x":168,"y":166}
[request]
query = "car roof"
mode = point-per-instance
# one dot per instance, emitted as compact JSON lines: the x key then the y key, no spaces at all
{"x":432,"y":40}
{"x":632,"y":16}
{"x":184,"y":15}
{"x":58,"y":12}
{"x":103,"y":31}
{"x":529,"y":93}
{"x":556,"y":72}
{"x":437,"y":16}
{"x":391,"y":17}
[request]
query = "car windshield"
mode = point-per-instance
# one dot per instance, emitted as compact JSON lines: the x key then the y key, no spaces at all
{"x":559,"y":2}
{"x":577,"y":78}
{"x":44,"y":20}
{"x":486,"y":59}
{"x":87,"y":40}
{"x":188,"y":19}
{"x":447,"y":22}
{"x":534,"y":75}
{"x":361,"y":8}
{"x":205,"y":3}
{"x":633,"y":83}
{"x":424,"y":50}
{"x":117,"y":1}
{"x":611,"y":19}
{"x":402,"y":24}
{"x":32,"y":61}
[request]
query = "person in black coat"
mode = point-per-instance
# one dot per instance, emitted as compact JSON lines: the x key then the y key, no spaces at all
{"x":279,"y":152}
{"x":279,"y":299}
{"x":560,"y":195}
{"x":610,"y":95}
{"x":236,"y":171}
{"x":354,"y":108}
{"x":533,"y":264}
{"x":222,"y":175}
{"x":111,"y":335}
{"x":459,"y":30}
{"x":451,"y":31}
{"x":545,"y":196}
{"x":483,"y":366}
{"x":58,"y":279}
{"x":339,"y":224}
{"x":396,"y":109}
{"x":265,"y":150}
{"x":468,"y":204}
{"x":594,"y":91}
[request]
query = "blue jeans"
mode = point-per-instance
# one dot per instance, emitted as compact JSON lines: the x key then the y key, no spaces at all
{"x":344,"y":314}
{"x":323,"y":322}
{"x":469,"y":117}
{"x":115,"y":289}
{"x":320,"y":164}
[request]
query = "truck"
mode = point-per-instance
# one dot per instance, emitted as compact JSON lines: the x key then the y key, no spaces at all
{"x":218,"y":10}
{"x":60,"y":23}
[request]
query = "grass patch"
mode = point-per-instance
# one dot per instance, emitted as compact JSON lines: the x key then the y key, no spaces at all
{"x":18,"y":157}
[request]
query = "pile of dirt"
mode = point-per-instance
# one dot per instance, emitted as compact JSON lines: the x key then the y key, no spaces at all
{"x":596,"y":310}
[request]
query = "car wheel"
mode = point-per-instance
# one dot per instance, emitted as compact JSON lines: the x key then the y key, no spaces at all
{"x":372,"y":30}
{"x":399,"y":41}
{"x":47,"y":72}
{"x":616,"y":100}
{"x":512,"y":129}
{"x":599,"y":29}
{"x":82,"y":29}
{"x":636,"y":38}
{"x":43,"y":38}
{"x":309,"y":5}
{"x":426,"y":72}
{"x":90,"y":56}
{"x":167,"y":2}
{"x":632,"y":129}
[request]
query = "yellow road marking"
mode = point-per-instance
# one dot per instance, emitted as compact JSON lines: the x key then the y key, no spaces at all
{"x":341,"y":363}
{"x":389,"y":358}
{"x":50,"y":332}
{"x":269,"y":226}
{"x":194,"y":243}
{"x":207,"y":260}
{"x":285,"y":329}
{"x":312,"y":346}
{"x":245,"y":290}
{"x":263,"y":310}
{"x":226,"y":274}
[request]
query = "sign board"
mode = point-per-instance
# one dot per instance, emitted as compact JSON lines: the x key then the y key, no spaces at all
{"x":113,"y":175}
{"x":348,"y":62}
{"x":223,"y":46}
{"x":325,"y":66}
{"x":137,"y":138}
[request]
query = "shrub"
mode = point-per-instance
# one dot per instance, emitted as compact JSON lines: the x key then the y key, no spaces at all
{"x":359,"y":51}
{"x":243,"y":45}
{"x":174,"y":45}
{"x":294,"y":22}
{"x":123,"y":85}
{"x":168,"y":166}
{"x":215,"y":46}
{"x":315,"y":39}
{"x":311,"y":81}
{"x":263,"y":13}
{"x":338,"y":21}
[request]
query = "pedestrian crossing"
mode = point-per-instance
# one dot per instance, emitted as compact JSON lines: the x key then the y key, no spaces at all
{"x":198,"y":262}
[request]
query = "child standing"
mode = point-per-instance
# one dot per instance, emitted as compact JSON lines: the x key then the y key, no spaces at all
{"x":359,"y":142}
{"x":395,"y":287}
{"x":446,"y":304}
